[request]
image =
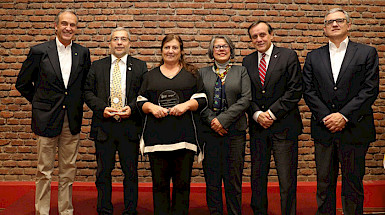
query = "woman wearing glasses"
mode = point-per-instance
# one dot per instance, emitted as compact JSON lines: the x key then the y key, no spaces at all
{"x":228,"y":93}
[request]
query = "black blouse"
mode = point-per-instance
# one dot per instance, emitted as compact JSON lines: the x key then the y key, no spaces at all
{"x":171,"y":132}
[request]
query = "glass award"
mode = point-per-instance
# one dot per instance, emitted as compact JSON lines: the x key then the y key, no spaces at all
{"x":117,"y":102}
{"x":168,"y":99}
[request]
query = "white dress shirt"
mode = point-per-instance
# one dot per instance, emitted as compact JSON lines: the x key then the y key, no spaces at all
{"x":337,"y":56}
{"x":65,"y":60}
{"x":123,"y":70}
{"x":267,"y":59}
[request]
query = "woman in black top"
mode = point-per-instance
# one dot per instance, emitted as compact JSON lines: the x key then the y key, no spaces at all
{"x":168,"y":97}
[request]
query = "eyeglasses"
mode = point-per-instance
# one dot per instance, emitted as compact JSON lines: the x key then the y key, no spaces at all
{"x":123,"y":39}
{"x":219,"y":47}
{"x":338,"y":21}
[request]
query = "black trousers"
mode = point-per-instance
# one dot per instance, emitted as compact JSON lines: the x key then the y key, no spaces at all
{"x":128,"y":157}
{"x":224,"y":159}
{"x":352,"y":160}
{"x":286,"y":160}
{"x":175,"y":166}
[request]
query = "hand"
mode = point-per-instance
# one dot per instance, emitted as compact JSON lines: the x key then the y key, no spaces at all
{"x":178,"y":109}
{"x":334,"y":122}
{"x":125,"y":112}
{"x":158,"y":111}
{"x":222,"y":132}
{"x":265,"y":120}
{"x":217,"y":127}
{"x":109,"y":112}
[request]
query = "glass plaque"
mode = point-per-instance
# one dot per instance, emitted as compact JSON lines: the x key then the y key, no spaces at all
{"x":168,"y":99}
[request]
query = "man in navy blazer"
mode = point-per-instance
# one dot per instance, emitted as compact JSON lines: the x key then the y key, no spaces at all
{"x":274,"y":117}
{"x":115,"y":129}
{"x":52,"y":79}
{"x":341,"y":83}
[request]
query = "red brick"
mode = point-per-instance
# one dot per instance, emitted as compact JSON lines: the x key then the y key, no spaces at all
{"x":298,"y":26}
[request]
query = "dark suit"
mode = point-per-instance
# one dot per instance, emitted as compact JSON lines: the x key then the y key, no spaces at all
{"x":224,"y":156}
{"x":352,"y":95}
{"x":111,"y":136}
{"x":280,"y":93}
{"x":57,"y":113}
{"x":40,"y":81}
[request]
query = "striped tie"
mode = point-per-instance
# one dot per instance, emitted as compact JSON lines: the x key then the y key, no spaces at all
{"x":262,"y":69}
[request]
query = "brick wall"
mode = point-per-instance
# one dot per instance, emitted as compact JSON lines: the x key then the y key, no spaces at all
{"x":298,"y":25}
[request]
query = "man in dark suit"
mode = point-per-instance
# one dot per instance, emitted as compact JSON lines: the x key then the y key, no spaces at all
{"x":341,"y":82}
{"x":275,"y":122}
{"x":52,"y":79}
{"x":115,"y":128}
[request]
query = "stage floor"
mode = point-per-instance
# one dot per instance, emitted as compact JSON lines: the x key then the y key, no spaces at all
{"x":17,"y":198}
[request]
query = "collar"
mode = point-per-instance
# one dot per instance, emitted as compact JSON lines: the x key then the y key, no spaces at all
{"x":343,"y":44}
{"x":222,"y":65}
{"x":268,"y":52}
{"x":60,"y":45}
{"x":123,"y":59}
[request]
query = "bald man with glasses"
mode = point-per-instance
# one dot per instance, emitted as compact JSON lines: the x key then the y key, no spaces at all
{"x":111,"y":89}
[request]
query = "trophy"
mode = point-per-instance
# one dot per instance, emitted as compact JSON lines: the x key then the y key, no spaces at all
{"x":168,"y":99}
{"x":118,"y":103}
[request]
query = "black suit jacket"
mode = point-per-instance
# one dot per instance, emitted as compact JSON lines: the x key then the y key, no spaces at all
{"x":97,"y":93}
{"x":352,"y":95}
{"x":40,"y":81}
{"x":280,"y":93}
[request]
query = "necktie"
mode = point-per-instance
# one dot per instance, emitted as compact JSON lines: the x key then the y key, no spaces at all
{"x":262,"y":69}
{"x":116,"y":89}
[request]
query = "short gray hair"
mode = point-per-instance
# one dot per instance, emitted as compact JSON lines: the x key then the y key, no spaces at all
{"x":119,"y":29}
{"x":334,"y":10}
{"x":228,"y":41}
{"x":66,"y":11}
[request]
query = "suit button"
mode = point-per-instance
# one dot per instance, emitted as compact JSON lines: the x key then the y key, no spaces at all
{"x":66,"y":93}
{"x":333,"y":106}
{"x":263,"y":106}
{"x":335,"y":88}
{"x":64,"y":107}
{"x":263,"y":92}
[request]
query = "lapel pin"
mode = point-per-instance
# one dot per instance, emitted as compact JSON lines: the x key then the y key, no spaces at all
{"x":76,"y":54}
{"x":129,"y":68}
{"x":275,"y":56}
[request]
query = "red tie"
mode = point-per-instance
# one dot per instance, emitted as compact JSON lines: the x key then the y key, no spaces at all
{"x":262,"y":69}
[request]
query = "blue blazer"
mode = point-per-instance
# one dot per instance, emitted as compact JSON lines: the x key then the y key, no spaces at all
{"x":352,"y":95}
{"x":40,"y":81}
{"x":280,"y":93}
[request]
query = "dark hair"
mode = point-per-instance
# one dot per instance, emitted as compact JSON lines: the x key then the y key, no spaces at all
{"x":190,"y":68}
{"x":269,"y":28}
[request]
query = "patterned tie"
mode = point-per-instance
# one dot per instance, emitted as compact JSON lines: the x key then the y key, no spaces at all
{"x":262,"y":69}
{"x":116,"y":89}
